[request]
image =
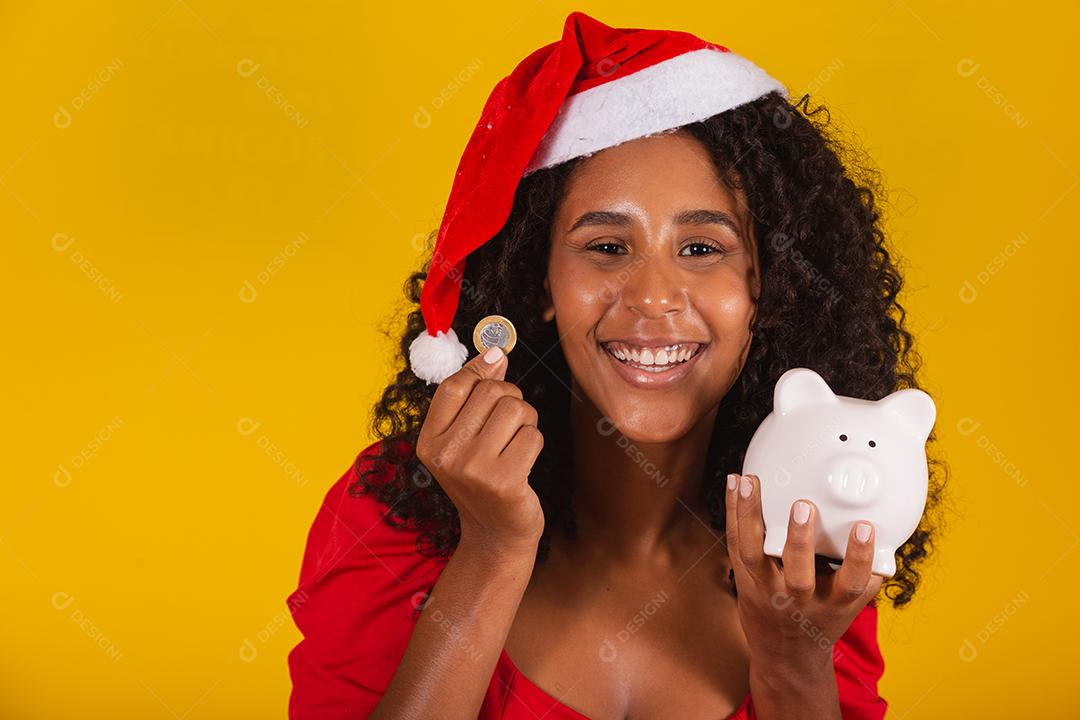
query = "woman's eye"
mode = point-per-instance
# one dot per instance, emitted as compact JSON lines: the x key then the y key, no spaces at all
{"x":696,"y":248}
{"x":611,"y":248}
{"x":702,"y":249}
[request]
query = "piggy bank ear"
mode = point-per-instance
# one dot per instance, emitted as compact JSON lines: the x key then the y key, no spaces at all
{"x":799,"y":388}
{"x":914,"y":407}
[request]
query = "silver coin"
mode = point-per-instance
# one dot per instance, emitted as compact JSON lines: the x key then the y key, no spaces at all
{"x":494,"y":330}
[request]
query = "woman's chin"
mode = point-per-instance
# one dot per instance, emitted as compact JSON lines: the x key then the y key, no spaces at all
{"x":644,"y":425}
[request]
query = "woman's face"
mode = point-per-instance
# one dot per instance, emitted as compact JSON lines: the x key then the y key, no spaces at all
{"x":653,"y":280}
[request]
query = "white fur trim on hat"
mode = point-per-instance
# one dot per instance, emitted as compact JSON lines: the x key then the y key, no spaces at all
{"x":674,"y":92}
{"x":435,"y":358}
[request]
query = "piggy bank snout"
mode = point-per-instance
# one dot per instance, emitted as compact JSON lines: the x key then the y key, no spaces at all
{"x":853,"y":480}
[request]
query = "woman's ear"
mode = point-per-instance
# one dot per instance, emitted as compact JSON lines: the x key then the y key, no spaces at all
{"x":549,"y":307}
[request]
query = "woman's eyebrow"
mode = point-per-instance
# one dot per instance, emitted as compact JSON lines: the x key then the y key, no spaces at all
{"x":602,"y":217}
{"x":708,"y":217}
{"x":685,"y":217}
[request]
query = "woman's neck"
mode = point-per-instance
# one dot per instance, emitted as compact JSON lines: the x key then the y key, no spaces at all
{"x":637,"y":501}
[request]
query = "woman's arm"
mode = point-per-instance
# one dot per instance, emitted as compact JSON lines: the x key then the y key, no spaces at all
{"x":480,"y":440}
{"x":790,"y":690}
{"x":452,"y":653}
{"x":793,"y":617}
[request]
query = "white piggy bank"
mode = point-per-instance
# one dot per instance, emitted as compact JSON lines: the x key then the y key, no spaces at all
{"x":855,"y":459}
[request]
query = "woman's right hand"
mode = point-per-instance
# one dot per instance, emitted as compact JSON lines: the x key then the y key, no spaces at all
{"x":480,"y":441}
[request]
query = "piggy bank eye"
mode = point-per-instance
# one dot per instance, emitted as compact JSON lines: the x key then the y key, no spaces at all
{"x":843,"y":438}
{"x":873,"y":444}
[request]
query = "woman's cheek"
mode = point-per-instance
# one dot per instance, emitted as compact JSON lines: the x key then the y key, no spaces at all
{"x":576,"y":300}
{"x":729,"y":313}
{"x":736,"y":310}
{"x":583,"y":296}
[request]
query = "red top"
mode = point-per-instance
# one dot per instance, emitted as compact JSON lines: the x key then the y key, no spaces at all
{"x":361,"y":582}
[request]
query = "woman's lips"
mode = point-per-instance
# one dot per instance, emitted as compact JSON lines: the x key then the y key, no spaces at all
{"x":653,"y":379}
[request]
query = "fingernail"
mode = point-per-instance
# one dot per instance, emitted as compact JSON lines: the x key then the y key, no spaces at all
{"x":731,"y":479}
{"x":802,"y":512}
{"x":493,"y":354}
{"x":862,"y":532}
{"x":747,"y":487}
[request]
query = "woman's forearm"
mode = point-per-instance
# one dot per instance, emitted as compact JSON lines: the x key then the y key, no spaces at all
{"x":451,"y":656}
{"x":788,"y":689}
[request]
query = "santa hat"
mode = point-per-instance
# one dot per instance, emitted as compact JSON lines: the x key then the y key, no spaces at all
{"x":596,"y":88}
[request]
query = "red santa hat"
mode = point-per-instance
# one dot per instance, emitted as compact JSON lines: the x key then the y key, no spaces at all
{"x":596,"y":88}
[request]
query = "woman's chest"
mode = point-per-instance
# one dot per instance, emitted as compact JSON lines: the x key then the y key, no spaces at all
{"x":638,"y":647}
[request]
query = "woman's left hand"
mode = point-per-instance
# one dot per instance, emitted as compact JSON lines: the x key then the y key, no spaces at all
{"x":791,"y":615}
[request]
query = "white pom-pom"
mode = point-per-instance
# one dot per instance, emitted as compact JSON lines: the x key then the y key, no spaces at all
{"x":436,"y":357}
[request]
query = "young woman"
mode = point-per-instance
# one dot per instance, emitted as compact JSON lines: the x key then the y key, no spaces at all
{"x":560,"y":532}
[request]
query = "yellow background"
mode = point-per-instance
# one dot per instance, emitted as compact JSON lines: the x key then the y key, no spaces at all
{"x":200,"y":254}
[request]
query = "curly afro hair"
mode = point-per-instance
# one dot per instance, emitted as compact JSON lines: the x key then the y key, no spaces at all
{"x":828,"y":302}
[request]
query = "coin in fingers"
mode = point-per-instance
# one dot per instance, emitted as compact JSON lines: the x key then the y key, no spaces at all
{"x":494,"y":330}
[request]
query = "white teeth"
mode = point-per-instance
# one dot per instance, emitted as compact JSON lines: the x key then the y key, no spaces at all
{"x":653,"y":359}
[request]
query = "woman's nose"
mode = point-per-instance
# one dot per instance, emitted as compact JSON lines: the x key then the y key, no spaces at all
{"x":653,"y":288}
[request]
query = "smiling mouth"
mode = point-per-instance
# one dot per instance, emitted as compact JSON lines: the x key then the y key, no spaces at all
{"x":653,"y":359}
